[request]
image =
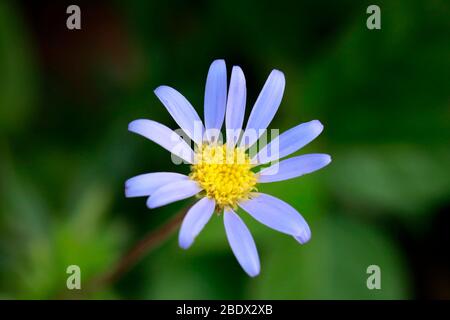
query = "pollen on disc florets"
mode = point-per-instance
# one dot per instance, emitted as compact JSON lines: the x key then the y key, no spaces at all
{"x":224,"y":173}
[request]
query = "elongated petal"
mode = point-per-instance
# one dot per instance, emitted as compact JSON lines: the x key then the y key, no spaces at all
{"x":181,"y":111}
{"x":237,"y":95}
{"x":163,"y":136}
{"x":265,"y":107}
{"x":146,"y":184}
{"x":194,"y":221}
{"x":172,"y":192}
{"x":241,"y":243}
{"x":289,"y":142}
{"x":215,"y":95}
{"x":294,"y":167}
{"x":277,"y":214}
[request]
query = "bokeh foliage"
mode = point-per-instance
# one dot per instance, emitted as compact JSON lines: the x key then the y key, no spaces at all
{"x":66,"y":98}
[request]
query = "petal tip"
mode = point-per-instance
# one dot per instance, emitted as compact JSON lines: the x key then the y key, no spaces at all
{"x":236,"y":69}
{"x":133,"y":124}
{"x":159,"y":88}
{"x":218,"y":61}
{"x":150,"y":203}
{"x":318,"y":125}
{"x":253,"y":273}
{"x":127,"y":192}
{"x":278,"y":73}
{"x":184,"y":244}
{"x":304,"y":237}
{"x":162,"y":91}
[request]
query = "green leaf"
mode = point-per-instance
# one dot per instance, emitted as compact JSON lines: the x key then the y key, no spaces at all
{"x":332,"y":265}
{"x":402,"y":180}
{"x":17,"y":81}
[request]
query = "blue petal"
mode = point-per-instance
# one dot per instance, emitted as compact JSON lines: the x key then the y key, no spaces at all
{"x":237,"y":95}
{"x":277,"y":214}
{"x":194,"y":221}
{"x":265,"y":108}
{"x":304,"y":237}
{"x":146,"y":184}
{"x":173,"y":192}
{"x":241,"y":243}
{"x":163,"y":136}
{"x":289,"y":142}
{"x":294,"y":167}
{"x":182,"y":112}
{"x":215,"y":96}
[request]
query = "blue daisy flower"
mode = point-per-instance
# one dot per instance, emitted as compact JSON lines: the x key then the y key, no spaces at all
{"x":225,"y":175}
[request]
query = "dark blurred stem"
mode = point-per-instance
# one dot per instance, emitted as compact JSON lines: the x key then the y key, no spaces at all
{"x":151,"y":241}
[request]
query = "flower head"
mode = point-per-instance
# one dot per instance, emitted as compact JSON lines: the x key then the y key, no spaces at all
{"x":225,"y":175}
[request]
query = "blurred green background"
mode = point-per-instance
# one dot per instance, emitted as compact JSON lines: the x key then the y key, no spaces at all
{"x":66,"y":98}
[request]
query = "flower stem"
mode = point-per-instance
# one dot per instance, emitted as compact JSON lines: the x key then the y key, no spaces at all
{"x":151,"y":241}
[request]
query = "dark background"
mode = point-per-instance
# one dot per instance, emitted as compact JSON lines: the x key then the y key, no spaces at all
{"x":66,"y":98}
